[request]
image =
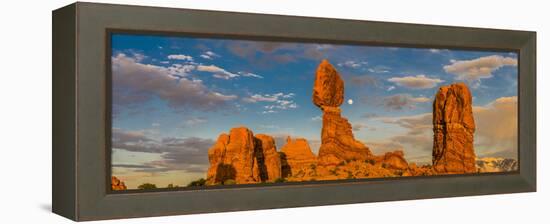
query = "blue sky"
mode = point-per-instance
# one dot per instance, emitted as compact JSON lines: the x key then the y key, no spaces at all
{"x":172,"y":97}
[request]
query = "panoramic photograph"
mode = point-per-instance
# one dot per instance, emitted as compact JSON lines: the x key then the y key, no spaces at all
{"x":198,"y":112}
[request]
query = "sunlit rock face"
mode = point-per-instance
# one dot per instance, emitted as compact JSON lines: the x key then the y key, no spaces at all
{"x":453,"y":127}
{"x":296,"y":155}
{"x":116,"y":184}
{"x":232,"y":158}
{"x":337,"y":141}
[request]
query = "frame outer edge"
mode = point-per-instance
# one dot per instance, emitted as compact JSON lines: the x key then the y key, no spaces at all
{"x":528,"y":111}
{"x":64,"y":185}
{"x":95,"y":203}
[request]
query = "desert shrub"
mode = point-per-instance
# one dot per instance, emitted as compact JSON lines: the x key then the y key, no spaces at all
{"x":147,"y":186}
{"x":199,"y":182}
{"x":279,"y":180}
{"x":229,"y":182}
{"x":312,"y":166}
{"x":370,"y":161}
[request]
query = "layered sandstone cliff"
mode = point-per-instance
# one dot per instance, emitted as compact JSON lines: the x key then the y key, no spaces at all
{"x":241,"y":157}
{"x":296,"y":154}
{"x":268,"y":161}
{"x":453,"y":127}
{"x":232,"y":158}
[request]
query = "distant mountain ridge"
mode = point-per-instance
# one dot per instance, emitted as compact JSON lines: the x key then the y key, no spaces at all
{"x":492,"y":164}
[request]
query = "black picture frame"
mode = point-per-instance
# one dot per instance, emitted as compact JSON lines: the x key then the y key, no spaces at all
{"x":81,"y":110}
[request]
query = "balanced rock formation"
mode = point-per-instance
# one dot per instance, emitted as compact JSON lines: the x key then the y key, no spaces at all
{"x":268,"y":161}
{"x":241,"y":157}
{"x":453,"y":127}
{"x":296,"y":154}
{"x":116,"y":184}
{"x":328,"y":89}
{"x":337,"y":141}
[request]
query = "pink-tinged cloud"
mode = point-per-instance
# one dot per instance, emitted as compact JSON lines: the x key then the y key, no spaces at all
{"x":415,"y":82}
{"x":479,"y":68}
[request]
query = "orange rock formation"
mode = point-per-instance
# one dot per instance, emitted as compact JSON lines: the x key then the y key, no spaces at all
{"x":116,"y":184}
{"x":268,"y":161}
{"x":240,"y":157}
{"x":233,"y":158}
{"x":453,"y":126}
{"x":296,"y":155}
{"x":337,"y":141}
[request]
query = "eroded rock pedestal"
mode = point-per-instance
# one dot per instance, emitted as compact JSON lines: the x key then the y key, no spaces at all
{"x":337,"y":141}
{"x":453,"y":127}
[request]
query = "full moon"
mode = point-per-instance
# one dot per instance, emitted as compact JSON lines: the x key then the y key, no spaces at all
{"x":350,"y":101}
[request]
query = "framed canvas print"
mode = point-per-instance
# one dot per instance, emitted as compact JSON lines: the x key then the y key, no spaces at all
{"x":201,"y":111}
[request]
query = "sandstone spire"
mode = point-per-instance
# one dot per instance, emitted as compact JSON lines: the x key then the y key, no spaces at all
{"x":453,"y":126}
{"x":337,"y":141}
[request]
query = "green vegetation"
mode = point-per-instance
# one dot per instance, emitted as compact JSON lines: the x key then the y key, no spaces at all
{"x":370,"y":161}
{"x":229,"y":182}
{"x":350,"y":175}
{"x":199,"y":182}
{"x":172,"y":186}
{"x":147,"y":186}
{"x":279,"y":180}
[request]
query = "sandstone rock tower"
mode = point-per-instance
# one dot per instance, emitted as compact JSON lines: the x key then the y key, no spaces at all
{"x":241,"y":157}
{"x":268,"y":161}
{"x":337,"y":141}
{"x":453,"y":126}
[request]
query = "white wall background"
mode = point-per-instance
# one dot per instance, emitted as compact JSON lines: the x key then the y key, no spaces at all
{"x":25,"y":111}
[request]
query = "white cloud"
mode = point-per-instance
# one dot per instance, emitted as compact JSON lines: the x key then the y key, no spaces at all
{"x":277,"y":101}
{"x":379,"y":69}
{"x":403,"y":101}
{"x":135,"y":83}
{"x":390,"y":88}
{"x":352,"y":64}
{"x":479,"y":68}
{"x":180,"y":57}
{"x":209,"y":55}
{"x":194,"y":121}
{"x":415,"y":82}
{"x":219,"y":73}
{"x":497,"y":128}
{"x":317,"y":118}
{"x":249,"y":74}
